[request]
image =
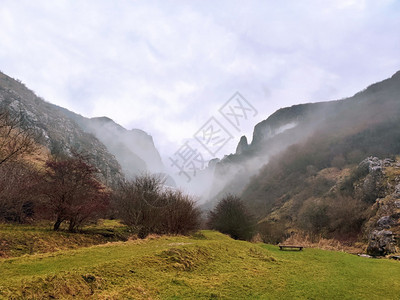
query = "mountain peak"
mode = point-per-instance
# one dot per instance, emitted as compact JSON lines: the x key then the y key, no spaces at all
{"x":242,"y":146}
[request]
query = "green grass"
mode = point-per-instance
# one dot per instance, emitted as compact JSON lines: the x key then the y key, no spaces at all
{"x":207,"y":265}
{"x":18,"y":240}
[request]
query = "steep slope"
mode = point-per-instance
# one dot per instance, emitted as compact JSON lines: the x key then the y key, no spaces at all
{"x":303,"y":171}
{"x":134,"y":149}
{"x":109,"y":144}
{"x":59,"y":133}
{"x":376,"y":106}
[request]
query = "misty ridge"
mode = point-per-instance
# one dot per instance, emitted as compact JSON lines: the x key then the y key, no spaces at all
{"x":305,"y":124}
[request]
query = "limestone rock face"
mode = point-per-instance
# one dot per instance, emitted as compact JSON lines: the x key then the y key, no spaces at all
{"x":381,"y":243}
{"x":381,"y":187}
{"x":386,"y":222}
{"x":371,"y":186}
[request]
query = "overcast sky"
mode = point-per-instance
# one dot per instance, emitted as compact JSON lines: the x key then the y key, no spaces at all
{"x":167,"y":66}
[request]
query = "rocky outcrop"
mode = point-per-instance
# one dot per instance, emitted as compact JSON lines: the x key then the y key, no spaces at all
{"x":385,"y":222}
{"x":381,"y":185}
{"x":243,"y":146}
{"x":371,"y":187}
{"x":381,"y":243}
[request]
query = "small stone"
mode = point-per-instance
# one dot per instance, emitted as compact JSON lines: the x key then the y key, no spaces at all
{"x":365,"y":255}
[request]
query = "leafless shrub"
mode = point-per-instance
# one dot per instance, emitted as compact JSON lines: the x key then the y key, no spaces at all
{"x":18,"y":192}
{"x":16,"y":138}
{"x":147,"y":207}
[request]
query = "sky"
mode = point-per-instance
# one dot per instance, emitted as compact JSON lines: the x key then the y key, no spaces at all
{"x":167,"y":67}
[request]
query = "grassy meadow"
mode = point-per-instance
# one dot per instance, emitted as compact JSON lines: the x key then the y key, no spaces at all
{"x":206,"y":265}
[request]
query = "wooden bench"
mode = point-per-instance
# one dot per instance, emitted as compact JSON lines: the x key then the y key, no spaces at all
{"x":281,"y":247}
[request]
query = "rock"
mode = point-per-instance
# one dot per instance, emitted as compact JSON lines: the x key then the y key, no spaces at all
{"x":385,"y":222}
{"x":365,"y":255}
{"x":381,"y":243}
{"x":397,"y":191}
{"x":387,"y":162}
{"x":242,"y":146}
{"x":374,"y":164}
{"x":213,"y":162}
{"x":397,"y":204}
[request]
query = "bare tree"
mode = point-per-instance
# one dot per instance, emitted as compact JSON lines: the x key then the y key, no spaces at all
{"x":180,"y":216}
{"x":139,"y":202}
{"x":18,"y":192}
{"x":16,"y":139}
{"x":147,"y":206}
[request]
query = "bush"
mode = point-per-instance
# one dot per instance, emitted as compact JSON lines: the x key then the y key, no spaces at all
{"x":346,"y":215}
{"x":180,"y":215}
{"x":272,"y":232}
{"x":232,"y":217}
{"x":18,"y":192}
{"x":313,"y":216}
{"x":147,"y":207}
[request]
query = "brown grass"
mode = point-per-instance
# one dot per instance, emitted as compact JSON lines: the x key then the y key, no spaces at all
{"x":307,"y":241}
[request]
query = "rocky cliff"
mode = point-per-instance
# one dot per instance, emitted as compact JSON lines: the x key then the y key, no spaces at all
{"x":134,"y":149}
{"x":377,"y":104}
{"x":108,"y":144}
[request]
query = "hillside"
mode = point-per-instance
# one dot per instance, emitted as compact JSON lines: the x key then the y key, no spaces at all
{"x":109,"y":145}
{"x":304,"y":170}
{"x":202,"y":266}
{"x":134,"y":149}
{"x":369,"y":117}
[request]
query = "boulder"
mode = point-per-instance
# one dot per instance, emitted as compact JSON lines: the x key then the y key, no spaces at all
{"x":387,"y":162}
{"x":385,"y":222}
{"x":381,"y":243}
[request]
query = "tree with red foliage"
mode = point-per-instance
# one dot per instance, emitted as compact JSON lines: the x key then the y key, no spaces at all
{"x":72,"y":192}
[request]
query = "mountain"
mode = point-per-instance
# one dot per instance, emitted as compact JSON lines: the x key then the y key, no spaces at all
{"x":301,"y":158}
{"x":134,"y":149}
{"x":378,"y":104}
{"x":108,"y":144}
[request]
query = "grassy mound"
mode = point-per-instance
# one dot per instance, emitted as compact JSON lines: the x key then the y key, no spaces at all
{"x":205,"y":266}
{"x":18,"y":240}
